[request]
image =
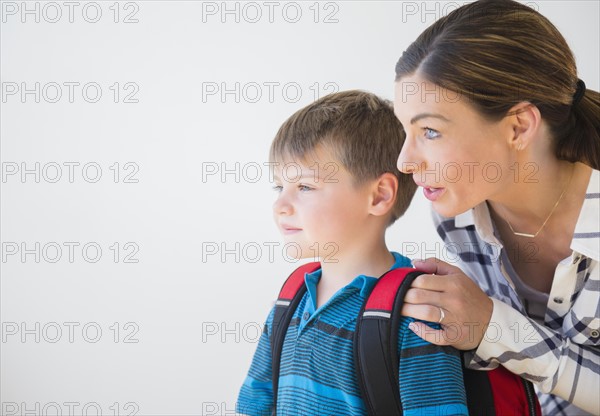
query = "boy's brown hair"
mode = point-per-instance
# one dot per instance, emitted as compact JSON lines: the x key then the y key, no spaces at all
{"x":359,"y":129}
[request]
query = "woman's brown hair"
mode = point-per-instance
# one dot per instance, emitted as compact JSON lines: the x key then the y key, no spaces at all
{"x":500,"y":53}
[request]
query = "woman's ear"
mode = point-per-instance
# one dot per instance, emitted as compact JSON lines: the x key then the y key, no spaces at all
{"x":384,"y":192}
{"x":525,"y":122}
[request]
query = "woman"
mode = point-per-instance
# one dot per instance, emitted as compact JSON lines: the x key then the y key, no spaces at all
{"x":504,"y":139}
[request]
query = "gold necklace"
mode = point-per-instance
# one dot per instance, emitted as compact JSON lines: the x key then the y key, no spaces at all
{"x":549,"y":215}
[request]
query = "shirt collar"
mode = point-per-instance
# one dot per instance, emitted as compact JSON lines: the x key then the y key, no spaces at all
{"x":586,"y":239}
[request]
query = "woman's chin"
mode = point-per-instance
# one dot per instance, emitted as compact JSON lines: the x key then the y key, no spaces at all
{"x":449,"y":210}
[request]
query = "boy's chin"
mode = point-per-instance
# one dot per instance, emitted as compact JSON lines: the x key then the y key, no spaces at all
{"x":294,"y":252}
{"x":294,"y":256}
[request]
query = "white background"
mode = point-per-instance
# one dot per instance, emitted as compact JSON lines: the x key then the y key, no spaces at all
{"x":187,"y":318}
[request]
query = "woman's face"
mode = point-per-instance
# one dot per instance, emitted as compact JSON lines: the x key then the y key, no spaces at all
{"x":459,"y":158}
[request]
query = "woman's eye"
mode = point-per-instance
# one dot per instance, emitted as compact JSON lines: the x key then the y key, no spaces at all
{"x":430,"y":133}
{"x":277,"y":188}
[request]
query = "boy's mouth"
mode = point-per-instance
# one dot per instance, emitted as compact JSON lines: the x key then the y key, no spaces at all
{"x":288,"y":229}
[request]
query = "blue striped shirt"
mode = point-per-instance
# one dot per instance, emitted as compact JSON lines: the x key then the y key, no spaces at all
{"x":317,"y":372}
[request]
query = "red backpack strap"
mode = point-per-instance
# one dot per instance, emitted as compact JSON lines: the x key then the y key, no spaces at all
{"x":376,"y":342}
{"x":289,"y":297}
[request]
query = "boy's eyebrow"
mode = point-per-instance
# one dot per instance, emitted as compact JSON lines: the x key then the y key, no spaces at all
{"x":303,"y":176}
{"x":427,"y":115}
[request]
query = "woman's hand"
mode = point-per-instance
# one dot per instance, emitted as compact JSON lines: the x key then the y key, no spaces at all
{"x":466,"y":308}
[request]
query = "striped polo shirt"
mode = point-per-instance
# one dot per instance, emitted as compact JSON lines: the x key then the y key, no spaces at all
{"x":317,"y":374}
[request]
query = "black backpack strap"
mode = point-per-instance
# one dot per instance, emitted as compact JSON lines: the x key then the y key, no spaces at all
{"x":289,"y":297}
{"x":376,"y":342}
{"x":480,"y":400}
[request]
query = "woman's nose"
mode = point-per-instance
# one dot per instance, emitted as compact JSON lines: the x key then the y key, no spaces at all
{"x":407,"y":160}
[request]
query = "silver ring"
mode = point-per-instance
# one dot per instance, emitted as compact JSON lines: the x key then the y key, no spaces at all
{"x":442,"y":315}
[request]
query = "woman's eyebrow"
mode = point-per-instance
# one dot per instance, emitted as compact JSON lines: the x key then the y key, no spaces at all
{"x":427,"y":115}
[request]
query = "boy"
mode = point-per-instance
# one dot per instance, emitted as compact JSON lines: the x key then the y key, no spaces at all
{"x":338,"y":190}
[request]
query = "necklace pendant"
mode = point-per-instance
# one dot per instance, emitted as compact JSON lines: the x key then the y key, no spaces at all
{"x":524,"y":234}
{"x":549,"y":215}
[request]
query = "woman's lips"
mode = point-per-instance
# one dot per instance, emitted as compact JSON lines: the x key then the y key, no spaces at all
{"x":432,"y":193}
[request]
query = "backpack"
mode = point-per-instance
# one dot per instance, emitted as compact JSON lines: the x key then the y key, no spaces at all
{"x":495,"y":392}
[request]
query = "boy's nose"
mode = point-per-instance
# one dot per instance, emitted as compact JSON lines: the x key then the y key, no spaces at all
{"x":282,"y":206}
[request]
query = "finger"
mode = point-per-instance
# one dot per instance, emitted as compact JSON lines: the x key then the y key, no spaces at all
{"x":434,"y":265}
{"x":434,"y":336}
{"x":423,"y":297}
{"x":431,"y":282}
{"x":423,"y":312}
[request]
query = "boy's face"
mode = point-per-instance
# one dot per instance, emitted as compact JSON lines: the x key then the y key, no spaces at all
{"x":319,"y":210}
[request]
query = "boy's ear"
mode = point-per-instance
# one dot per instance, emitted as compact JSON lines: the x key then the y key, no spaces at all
{"x":383,"y":194}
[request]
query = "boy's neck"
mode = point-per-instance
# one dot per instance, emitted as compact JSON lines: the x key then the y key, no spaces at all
{"x":368,"y":259}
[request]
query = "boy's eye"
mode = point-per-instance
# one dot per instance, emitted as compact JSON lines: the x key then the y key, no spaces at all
{"x":304,"y":188}
{"x":430,"y":133}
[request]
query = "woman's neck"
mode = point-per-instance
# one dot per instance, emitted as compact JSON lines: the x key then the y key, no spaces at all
{"x":544,"y":208}
{"x":539,"y":195}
